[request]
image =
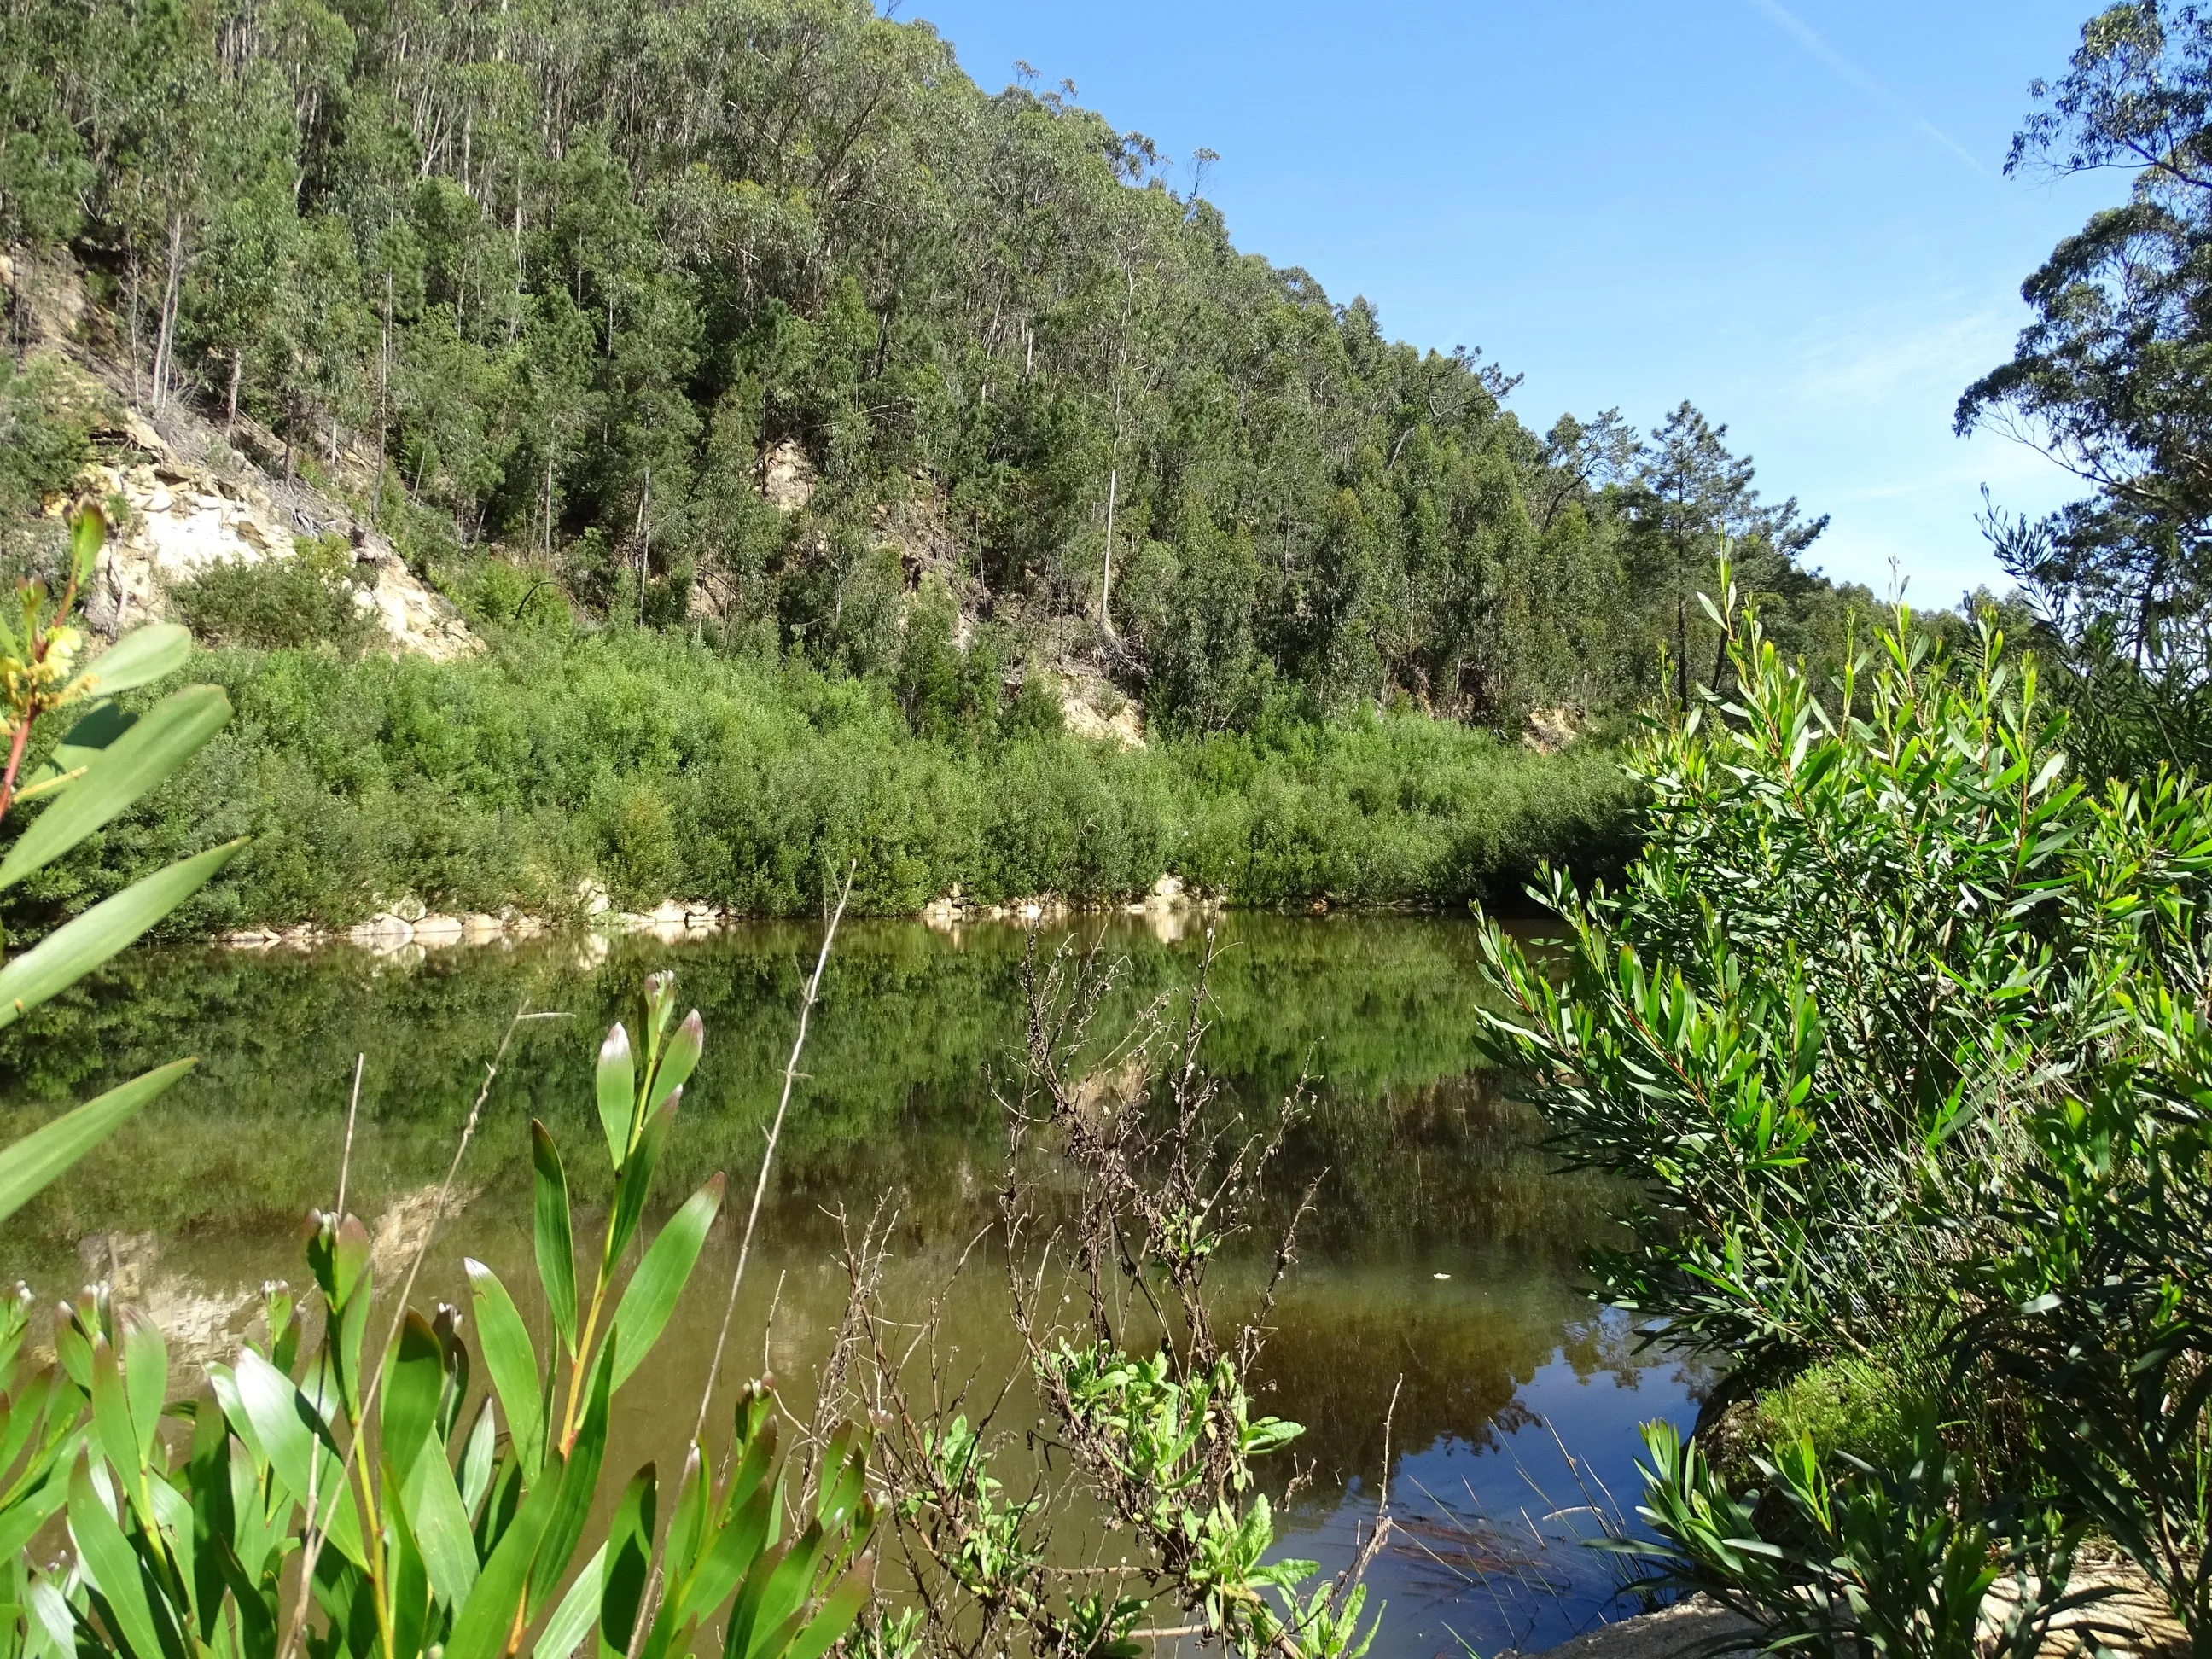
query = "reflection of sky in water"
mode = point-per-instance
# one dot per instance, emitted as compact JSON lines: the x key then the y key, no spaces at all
{"x":1488,"y":1552}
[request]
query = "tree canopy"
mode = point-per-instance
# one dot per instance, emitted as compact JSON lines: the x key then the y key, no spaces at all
{"x":566,"y":276}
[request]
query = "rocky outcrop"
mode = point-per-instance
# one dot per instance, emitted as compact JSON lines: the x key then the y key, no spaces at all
{"x":184,"y":518}
{"x":192,"y":498}
{"x":1090,"y":707}
{"x":786,"y":478}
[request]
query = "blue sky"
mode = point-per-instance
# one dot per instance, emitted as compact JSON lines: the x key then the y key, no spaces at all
{"x":1792,"y":212}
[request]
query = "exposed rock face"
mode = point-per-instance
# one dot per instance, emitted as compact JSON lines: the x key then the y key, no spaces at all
{"x":1549,"y":730}
{"x":194,"y":501}
{"x":185,"y":519}
{"x":786,"y":478}
{"x":1090,"y":707}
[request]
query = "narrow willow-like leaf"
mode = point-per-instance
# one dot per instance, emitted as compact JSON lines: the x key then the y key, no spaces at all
{"x":678,"y":1059}
{"x":653,"y":1291}
{"x":554,"y":1234}
{"x":141,"y":657}
{"x":80,"y":745}
{"x":512,"y":1361}
{"x":579,"y":1483}
{"x":629,"y":1553}
{"x":108,"y":1559}
{"x":414,"y":1378}
{"x":838,"y":1610}
{"x":635,"y":1183}
{"x":571,"y":1621}
{"x":145,"y":1358}
{"x":410,"y":1579}
{"x":481,"y":1627}
{"x":161,"y":741}
{"x":434,"y":1508}
{"x":44,"y":1154}
{"x":74,"y":950}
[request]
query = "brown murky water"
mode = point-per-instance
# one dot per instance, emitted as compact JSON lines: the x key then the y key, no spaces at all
{"x":1438,"y":1267}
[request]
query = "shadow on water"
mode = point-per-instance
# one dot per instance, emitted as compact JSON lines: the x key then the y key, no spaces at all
{"x":1438,"y":1267}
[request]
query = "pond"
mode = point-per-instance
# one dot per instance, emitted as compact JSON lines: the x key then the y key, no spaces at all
{"x":1438,"y":1267}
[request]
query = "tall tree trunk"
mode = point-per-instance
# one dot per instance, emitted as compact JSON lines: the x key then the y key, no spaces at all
{"x":383,"y":380}
{"x":166,"y":336}
{"x":1106,"y":587}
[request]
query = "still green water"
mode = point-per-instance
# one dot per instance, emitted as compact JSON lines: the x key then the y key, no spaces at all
{"x":1439,"y":1264}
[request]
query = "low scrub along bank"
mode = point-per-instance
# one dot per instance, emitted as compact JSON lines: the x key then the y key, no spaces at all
{"x":664,"y":768}
{"x":1900,"y":1030}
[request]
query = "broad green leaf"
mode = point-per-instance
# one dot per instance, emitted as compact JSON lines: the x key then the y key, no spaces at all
{"x":74,"y":950}
{"x":481,"y":1628}
{"x":630,"y":1553}
{"x":616,"y":1078}
{"x":111,"y":1414}
{"x":41,"y":1156}
{"x":653,"y":1291}
{"x":555,"y":1237}
{"x":410,"y":1579}
{"x":414,"y":1379}
{"x":141,"y":657}
{"x":281,"y":1418}
{"x":441,"y":1521}
{"x":635,"y":1181}
{"x":513,"y":1362}
{"x":145,"y":1360}
{"x":571,"y":1621}
{"x":108,"y":1561}
{"x":161,"y":741}
{"x":94,"y":731}
{"x":579,"y":1483}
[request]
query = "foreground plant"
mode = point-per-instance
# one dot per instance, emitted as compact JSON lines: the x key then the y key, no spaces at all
{"x":1898,"y":1562}
{"x":1898,"y":1028}
{"x":106,"y":762}
{"x":417,"y":1524}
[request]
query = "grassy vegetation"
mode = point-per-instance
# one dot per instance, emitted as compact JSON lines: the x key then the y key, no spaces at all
{"x":662,"y":767}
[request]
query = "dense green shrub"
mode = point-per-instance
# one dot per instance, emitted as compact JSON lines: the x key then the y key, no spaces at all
{"x":1900,"y":1029}
{"x":275,"y":604}
{"x":665,"y":768}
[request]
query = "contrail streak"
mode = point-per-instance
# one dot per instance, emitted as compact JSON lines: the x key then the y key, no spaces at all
{"x":1787,"y":21}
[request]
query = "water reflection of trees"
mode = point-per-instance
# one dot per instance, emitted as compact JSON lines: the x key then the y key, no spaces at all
{"x":914,"y":1029}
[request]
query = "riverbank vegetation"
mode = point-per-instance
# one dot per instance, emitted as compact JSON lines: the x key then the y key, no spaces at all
{"x":662,"y":767}
{"x":1899,"y":1026}
{"x":851,"y":397}
{"x":561,"y":296}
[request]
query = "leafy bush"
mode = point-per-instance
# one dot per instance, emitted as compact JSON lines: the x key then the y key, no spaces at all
{"x":1900,"y":1030}
{"x":666,"y":769}
{"x":309,"y":599}
{"x":1895,"y":1562}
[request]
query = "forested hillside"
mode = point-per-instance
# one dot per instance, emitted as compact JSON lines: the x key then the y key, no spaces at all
{"x":566,"y":276}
